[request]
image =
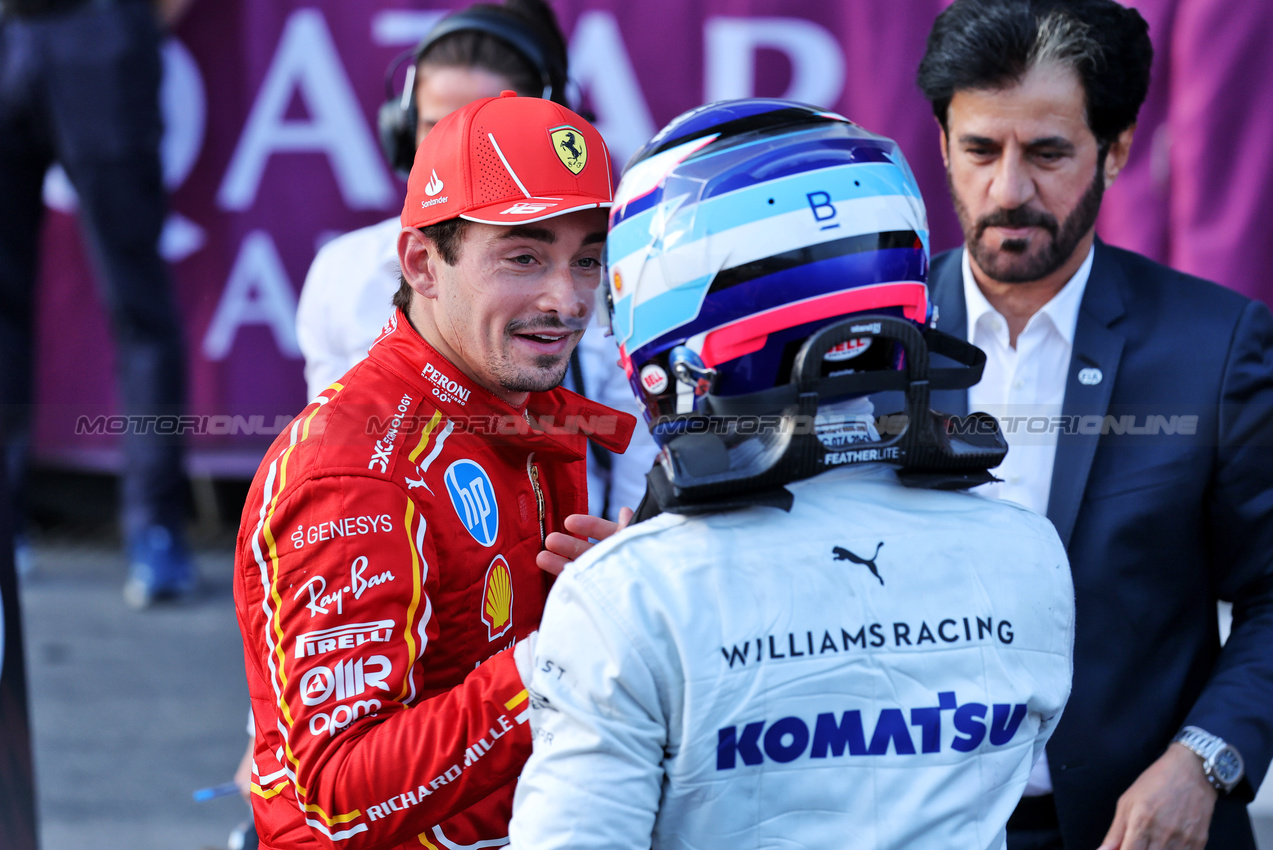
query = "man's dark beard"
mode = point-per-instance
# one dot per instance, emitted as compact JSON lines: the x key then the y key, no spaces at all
{"x":542,"y":382}
{"x":1049,"y":257}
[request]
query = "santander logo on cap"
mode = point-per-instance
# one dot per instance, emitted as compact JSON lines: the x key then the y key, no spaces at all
{"x":434,"y":185}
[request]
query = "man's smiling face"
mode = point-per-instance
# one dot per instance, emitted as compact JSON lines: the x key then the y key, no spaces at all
{"x":514,"y":305}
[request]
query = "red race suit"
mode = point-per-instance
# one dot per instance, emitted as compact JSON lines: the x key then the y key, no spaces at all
{"x":385,"y":566}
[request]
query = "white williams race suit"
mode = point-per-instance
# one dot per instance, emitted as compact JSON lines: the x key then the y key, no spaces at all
{"x":877,"y":668}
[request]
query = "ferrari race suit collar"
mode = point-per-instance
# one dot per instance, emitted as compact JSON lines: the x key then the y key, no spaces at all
{"x":555,"y":415}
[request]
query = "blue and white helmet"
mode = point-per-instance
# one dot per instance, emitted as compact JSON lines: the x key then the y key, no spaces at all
{"x":749,"y":241}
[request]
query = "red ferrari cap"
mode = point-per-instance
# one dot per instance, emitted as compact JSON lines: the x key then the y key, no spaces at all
{"x":508,"y":160}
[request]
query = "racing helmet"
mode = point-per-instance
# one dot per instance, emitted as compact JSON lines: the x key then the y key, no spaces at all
{"x":767,"y":260}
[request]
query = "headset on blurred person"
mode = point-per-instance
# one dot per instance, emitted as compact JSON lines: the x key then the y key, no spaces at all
{"x":527,"y":28}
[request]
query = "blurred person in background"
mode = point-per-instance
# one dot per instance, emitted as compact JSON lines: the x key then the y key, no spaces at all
{"x":385,"y":564}
{"x":476,"y":52}
{"x":1167,"y":734}
{"x":79,"y":85}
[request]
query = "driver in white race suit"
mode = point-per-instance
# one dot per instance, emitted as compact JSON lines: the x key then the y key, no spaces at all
{"x":813,"y":636}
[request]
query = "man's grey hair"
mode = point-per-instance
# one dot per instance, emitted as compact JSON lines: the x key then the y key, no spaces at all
{"x":1063,"y":40}
{"x":993,"y":44}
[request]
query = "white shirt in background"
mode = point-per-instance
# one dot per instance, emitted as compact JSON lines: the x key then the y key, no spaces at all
{"x":346,"y":300}
{"x":1024,"y":388}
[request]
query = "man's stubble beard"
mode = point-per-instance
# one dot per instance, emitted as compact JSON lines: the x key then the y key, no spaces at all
{"x":1048,"y":258}
{"x":543,"y":378}
{"x":547,"y":370}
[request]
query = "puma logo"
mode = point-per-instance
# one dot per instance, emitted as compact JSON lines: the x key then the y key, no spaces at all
{"x":842,"y":554}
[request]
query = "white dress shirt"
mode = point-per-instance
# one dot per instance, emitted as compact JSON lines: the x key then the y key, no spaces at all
{"x":1024,"y":387}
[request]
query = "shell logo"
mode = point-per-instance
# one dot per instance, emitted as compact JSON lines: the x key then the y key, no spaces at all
{"x":497,"y":598}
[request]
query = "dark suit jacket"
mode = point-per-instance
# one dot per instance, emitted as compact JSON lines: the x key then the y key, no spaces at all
{"x":1158,"y":527}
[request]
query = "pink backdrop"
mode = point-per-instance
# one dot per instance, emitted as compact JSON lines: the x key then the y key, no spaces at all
{"x":271,"y":149}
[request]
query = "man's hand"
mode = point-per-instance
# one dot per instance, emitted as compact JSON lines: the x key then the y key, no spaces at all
{"x":1168,"y":807}
{"x":243,"y":774}
{"x":564,"y":548}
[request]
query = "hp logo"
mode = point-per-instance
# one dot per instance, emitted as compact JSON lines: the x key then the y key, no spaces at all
{"x":474,"y":500}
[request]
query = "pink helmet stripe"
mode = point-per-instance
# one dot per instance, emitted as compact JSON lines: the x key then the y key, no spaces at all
{"x":750,"y":333}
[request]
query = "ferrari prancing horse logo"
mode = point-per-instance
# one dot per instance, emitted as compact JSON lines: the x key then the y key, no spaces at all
{"x":571,"y":149}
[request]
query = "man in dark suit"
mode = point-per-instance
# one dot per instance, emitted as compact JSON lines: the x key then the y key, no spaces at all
{"x":1138,"y":402}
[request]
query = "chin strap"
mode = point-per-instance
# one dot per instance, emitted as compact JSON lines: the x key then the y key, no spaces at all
{"x":922,"y":479}
{"x":660,"y":497}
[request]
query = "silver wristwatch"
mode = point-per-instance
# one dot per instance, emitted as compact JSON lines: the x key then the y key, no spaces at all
{"x":1221,"y":763}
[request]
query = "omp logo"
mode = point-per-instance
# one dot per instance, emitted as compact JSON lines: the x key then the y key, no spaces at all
{"x":497,"y":608}
{"x":473,"y":497}
{"x":341,"y":716}
{"x":523,"y":208}
{"x":343,"y":637}
{"x":434,"y":185}
{"x":348,"y":678}
{"x":829,"y":735}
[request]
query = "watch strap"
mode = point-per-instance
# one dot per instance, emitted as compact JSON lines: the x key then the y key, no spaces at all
{"x":1207,"y":746}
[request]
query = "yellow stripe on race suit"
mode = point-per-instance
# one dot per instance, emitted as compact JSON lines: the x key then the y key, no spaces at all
{"x":267,"y":533}
{"x":516,"y":701}
{"x":332,"y":821}
{"x":273,"y":791}
{"x":424,"y":435}
{"x":417,"y":580}
{"x":424,"y":839}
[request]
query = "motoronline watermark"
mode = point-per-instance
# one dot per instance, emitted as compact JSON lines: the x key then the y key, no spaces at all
{"x":1124,"y":424}
{"x":891,"y":425}
{"x":600,"y":424}
{"x":1150,"y":425}
{"x":217,"y":425}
